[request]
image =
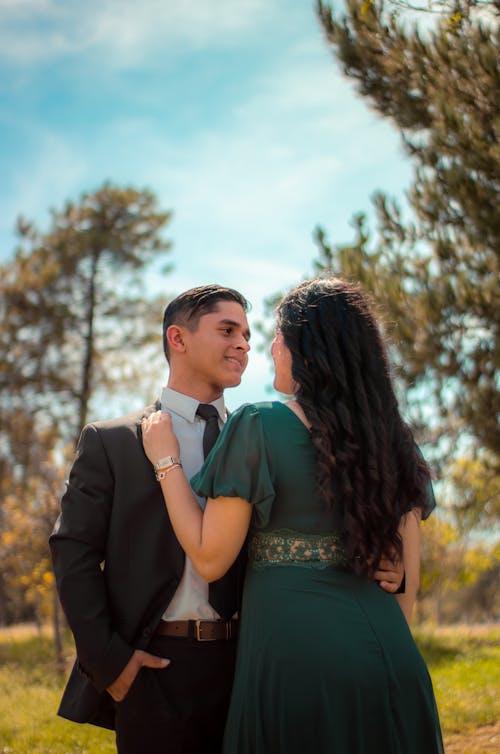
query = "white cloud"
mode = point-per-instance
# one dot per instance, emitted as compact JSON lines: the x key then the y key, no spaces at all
{"x":123,"y":32}
{"x":299,"y":151}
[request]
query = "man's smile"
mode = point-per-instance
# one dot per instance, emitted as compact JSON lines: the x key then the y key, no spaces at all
{"x":234,"y":360}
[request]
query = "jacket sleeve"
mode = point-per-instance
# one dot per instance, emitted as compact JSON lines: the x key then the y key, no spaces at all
{"x":78,"y":545}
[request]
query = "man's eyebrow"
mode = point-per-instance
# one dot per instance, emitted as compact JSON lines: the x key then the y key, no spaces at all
{"x":234,"y":323}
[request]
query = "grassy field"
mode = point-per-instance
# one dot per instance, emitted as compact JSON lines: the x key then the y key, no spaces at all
{"x":463,"y":663}
{"x":30,"y":690}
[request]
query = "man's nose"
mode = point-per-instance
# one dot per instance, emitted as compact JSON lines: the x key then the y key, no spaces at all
{"x":243,"y":344}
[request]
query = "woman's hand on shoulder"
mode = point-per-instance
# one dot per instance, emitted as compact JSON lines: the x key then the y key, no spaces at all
{"x":158,"y":437}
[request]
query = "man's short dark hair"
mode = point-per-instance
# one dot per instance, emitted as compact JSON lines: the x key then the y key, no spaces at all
{"x":188,"y":307}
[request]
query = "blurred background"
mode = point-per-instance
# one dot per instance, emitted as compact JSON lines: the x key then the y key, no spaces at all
{"x":147,"y":148}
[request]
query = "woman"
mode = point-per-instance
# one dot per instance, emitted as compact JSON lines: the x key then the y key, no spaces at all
{"x":322,"y":486}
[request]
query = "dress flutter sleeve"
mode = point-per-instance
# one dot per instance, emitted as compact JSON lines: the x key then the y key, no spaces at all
{"x":239,"y":465}
{"x":430,"y":501}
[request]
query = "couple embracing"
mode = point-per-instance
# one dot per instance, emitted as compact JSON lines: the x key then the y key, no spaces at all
{"x":230,"y":582}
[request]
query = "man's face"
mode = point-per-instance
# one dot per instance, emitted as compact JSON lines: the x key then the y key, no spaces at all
{"x":216,"y":353}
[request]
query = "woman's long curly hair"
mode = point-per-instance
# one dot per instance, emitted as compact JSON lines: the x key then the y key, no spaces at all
{"x":368,"y":464}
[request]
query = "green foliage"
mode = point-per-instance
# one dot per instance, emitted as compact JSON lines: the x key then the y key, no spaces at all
{"x":459,"y":578}
{"x":31,"y":481}
{"x":437,"y":275}
{"x":28,"y":515}
{"x":475,"y":496}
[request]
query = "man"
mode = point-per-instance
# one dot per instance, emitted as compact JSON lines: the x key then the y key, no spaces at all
{"x":155,"y":644}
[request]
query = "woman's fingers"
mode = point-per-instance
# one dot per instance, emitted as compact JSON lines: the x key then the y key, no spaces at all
{"x":158,"y":437}
{"x":156,"y":417}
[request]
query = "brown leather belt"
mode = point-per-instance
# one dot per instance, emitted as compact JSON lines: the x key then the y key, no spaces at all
{"x":199,"y":630}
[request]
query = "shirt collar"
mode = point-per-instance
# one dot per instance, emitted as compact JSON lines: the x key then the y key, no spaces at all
{"x":186,"y":405}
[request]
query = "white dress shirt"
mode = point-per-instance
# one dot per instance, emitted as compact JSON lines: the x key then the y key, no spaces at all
{"x":190,"y":601}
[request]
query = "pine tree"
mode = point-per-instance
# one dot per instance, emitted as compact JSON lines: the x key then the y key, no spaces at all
{"x":437,"y":275}
{"x":73,"y":310}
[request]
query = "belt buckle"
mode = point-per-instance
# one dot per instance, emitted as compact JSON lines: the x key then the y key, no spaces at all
{"x":198,"y":630}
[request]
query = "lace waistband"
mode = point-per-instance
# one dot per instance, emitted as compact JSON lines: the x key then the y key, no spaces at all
{"x":284,"y":546}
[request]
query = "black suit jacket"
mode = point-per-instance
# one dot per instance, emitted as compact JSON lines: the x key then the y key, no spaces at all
{"x":116,"y":560}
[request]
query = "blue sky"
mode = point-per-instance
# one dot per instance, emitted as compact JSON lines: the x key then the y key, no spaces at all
{"x":233,"y":112}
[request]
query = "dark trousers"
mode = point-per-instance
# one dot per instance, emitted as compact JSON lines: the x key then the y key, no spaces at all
{"x":182,"y":708}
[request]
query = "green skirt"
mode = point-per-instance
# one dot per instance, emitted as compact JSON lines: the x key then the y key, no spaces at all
{"x":327,"y":664}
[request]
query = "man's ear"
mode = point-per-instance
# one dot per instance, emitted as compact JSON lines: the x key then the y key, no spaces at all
{"x":175,"y":339}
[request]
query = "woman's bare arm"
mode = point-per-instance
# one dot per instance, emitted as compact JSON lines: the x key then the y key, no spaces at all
{"x":212,"y":539}
{"x":409,"y":529}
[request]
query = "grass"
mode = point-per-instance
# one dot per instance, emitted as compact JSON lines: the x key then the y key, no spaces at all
{"x":463,"y":663}
{"x":30,"y":690}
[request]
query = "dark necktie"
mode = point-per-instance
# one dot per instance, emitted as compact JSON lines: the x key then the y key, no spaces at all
{"x":211,"y":433}
{"x":222,"y":594}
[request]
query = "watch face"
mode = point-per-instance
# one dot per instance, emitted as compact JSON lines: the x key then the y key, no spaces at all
{"x":167,"y":461}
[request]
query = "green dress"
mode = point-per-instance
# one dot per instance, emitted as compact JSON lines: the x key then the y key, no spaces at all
{"x":326,"y":662}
